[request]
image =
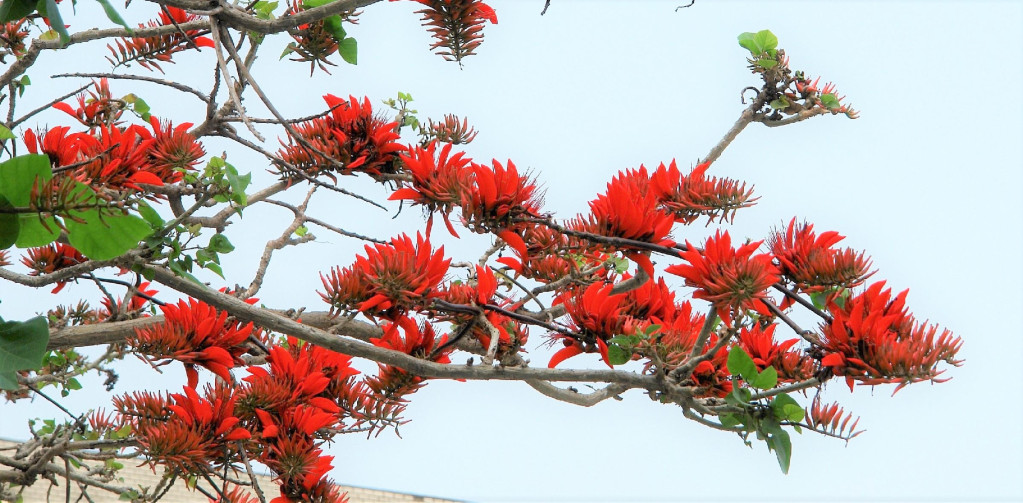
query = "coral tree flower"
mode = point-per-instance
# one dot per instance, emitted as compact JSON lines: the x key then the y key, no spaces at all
{"x":98,"y":109}
{"x":759,"y":343}
{"x":437,"y":181}
{"x":195,"y":334}
{"x":50,"y":259}
{"x":597,"y":314}
{"x":691,"y":196}
{"x":389,"y":280}
{"x":729,"y":278}
{"x":192,"y":434}
{"x":349,"y":139}
{"x":495,"y":197}
{"x":873,"y":339}
{"x":411,"y":338}
{"x":147,"y":51}
{"x":811,"y":262}
{"x":457,"y":25}
{"x":629,"y":210}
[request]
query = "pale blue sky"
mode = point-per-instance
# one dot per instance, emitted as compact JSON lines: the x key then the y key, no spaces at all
{"x":927,"y":181}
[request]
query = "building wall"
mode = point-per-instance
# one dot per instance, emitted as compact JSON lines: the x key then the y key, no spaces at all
{"x":44,"y":491}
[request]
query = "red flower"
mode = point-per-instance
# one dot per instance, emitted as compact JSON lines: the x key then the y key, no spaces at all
{"x":99,"y":109}
{"x":759,"y":343}
{"x":413,"y":339}
{"x":192,"y":434}
{"x":809,"y":261}
{"x":389,"y":280}
{"x":457,"y":25}
{"x":629,"y":210}
{"x":437,"y":181}
{"x":314,"y":43}
{"x":495,"y":197}
{"x":688,"y":197}
{"x":677,"y":335}
{"x":829,"y":419}
{"x":173,"y":149}
{"x":62,"y":148}
{"x":451,"y":131}
{"x":301,"y":374}
{"x":597,"y":314}
{"x":873,"y":339}
{"x":351,"y":136}
{"x":194,"y":333}
{"x":50,"y":259}
{"x":147,"y":51}
{"x":122,"y":159}
{"x":134,"y":304}
{"x":731,"y":279}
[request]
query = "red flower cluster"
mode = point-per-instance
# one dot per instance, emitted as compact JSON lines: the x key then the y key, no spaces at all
{"x":457,"y":25}
{"x":98,"y":109}
{"x":120,"y":158}
{"x":195,"y":334}
{"x":12,"y":38}
{"x":812,"y":264}
{"x":494,"y":197}
{"x":147,"y":51}
{"x":129,"y":305}
{"x":676,"y":337}
{"x":293,"y":404}
{"x":390,"y":280}
{"x":313,"y":42}
{"x":731,"y":279}
{"x":437,"y":181}
{"x":186,"y":432}
{"x":52,"y":258}
{"x":690,"y":196}
{"x":873,"y":339}
{"x":759,"y":343}
{"x":349,"y":139}
{"x":597,"y":314}
{"x":629,"y":210}
{"x":413,"y":339}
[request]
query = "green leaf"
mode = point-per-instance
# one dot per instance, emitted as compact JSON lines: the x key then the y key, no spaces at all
{"x":5,"y":133}
{"x":73,"y":384}
{"x":739,"y":363}
{"x":780,"y":103}
{"x":220,"y":244}
{"x":10,"y":224}
{"x":301,"y":231}
{"x":618,"y":355}
{"x":102,"y":236}
{"x":765,"y":40}
{"x":786,"y":409}
{"x":766,"y":379}
{"x":150,"y":215}
{"x":216,"y":269}
{"x":333,"y":26}
{"x":766,"y":63}
{"x":748,"y":42}
{"x":48,"y":8}
{"x":730,"y":420}
{"x":18,"y":175}
{"x":13,"y":10}
{"x":739,"y":396}
{"x":349,"y":50}
{"x":33,"y":233}
{"x":113,"y":15}
{"x":782,"y":449}
{"x":830,"y":101}
{"x":22,"y":347}
{"x":237,"y":182}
